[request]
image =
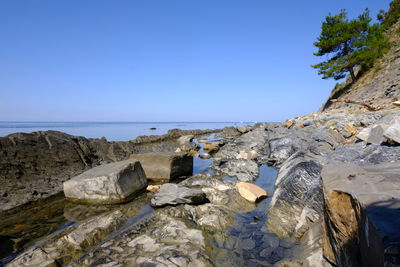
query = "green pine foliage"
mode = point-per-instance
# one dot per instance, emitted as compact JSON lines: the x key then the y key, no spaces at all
{"x":392,"y":16}
{"x":348,"y":44}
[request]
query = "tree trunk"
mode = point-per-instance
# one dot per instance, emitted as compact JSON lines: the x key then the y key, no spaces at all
{"x":353,"y":76}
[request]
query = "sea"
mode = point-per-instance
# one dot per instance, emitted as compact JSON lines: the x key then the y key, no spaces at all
{"x":112,"y":131}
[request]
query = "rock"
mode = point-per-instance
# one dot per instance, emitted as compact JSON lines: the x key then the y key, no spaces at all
{"x":396,"y":103}
{"x":212,"y":147}
{"x":297,"y":201}
{"x":242,"y":129}
{"x":188,"y":147}
{"x":175,"y":194}
{"x":204,"y":156}
{"x":153,"y":128}
{"x":363,"y":135}
{"x":111,"y":183}
{"x":185,"y":139}
{"x":229,"y":132}
{"x":36,"y":257}
{"x":289,"y":123}
{"x":322,"y":134}
{"x":153,"y":188}
{"x":362,"y":214}
{"x":250,"y":192}
{"x":376,"y":134}
{"x":165,"y":166}
{"x":90,"y":232}
{"x":349,"y":130}
{"x":244,"y":170}
{"x":281,"y":149}
{"x":393,"y":131}
{"x":252,"y":154}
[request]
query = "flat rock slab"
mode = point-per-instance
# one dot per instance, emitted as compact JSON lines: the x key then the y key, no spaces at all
{"x":251,"y":192}
{"x":362,"y":221}
{"x":107,"y":184}
{"x":175,"y":194}
{"x":165,"y":166}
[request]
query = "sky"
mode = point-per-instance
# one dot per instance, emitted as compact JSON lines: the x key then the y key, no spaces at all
{"x":163,"y":60}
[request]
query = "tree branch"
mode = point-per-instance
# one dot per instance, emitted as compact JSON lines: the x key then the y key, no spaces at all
{"x":368,"y":106}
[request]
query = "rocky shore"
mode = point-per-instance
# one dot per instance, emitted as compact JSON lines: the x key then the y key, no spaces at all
{"x":335,"y":199}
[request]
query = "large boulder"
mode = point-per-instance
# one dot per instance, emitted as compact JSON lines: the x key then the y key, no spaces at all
{"x":111,"y":183}
{"x":165,"y":166}
{"x":362,"y":214}
{"x":175,"y":194}
{"x":297,"y":201}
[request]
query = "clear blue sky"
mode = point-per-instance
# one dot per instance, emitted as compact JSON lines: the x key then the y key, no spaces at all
{"x":163,"y":60}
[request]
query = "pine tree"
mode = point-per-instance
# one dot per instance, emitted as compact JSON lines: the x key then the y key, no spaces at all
{"x":349,"y":43}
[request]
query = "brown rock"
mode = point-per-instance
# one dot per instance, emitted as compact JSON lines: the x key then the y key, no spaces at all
{"x":153,"y":188}
{"x":211,"y":147}
{"x":251,"y":192}
{"x":164,"y":166}
{"x":349,"y":128}
{"x":289,"y":123}
{"x":362,"y":214}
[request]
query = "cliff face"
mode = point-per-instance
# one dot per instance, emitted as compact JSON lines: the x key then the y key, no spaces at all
{"x":379,"y":86}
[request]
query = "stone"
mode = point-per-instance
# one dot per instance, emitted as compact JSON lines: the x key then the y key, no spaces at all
{"x":289,"y":123}
{"x":153,"y":188}
{"x":188,"y":147}
{"x":362,"y":217}
{"x":250,"y":192}
{"x":165,"y":166}
{"x":393,"y":131}
{"x":396,"y":103}
{"x":349,"y":130}
{"x":252,"y":154}
{"x":185,"y":139}
{"x":244,"y":170}
{"x":90,"y":232}
{"x":106,"y":184}
{"x":376,"y":134}
{"x":211,"y":147}
{"x":204,"y":156}
{"x":322,"y":134}
{"x":298,"y":200}
{"x":175,"y":194}
{"x":36,"y":257}
{"x":242,"y":129}
{"x":363,"y":134}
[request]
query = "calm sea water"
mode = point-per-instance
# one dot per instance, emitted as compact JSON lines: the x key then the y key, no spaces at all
{"x":113,"y":131}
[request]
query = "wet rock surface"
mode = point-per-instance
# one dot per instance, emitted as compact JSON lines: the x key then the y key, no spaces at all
{"x":175,"y":194}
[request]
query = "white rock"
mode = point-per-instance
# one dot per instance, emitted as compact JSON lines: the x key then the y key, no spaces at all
{"x":105,"y":184}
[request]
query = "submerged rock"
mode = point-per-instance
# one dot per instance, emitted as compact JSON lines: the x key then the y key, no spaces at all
{"x":175,"y":194}
{"x":111,"y":183}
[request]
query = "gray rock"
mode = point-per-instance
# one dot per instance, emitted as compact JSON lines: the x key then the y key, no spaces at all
{"x":175,"y":194}
{"x":281,"y":149}
{"x":243,"y":170}
{"x":297,"y":200}
{"x":165,"y":166}
{"x":185,"y":139}
{"x":204,"y":156}
{"x":376,"y":134}
{"x":363,"y":214}
{"x":322,"y":134}
{"x":393,"y":131}
{"x":111,"y":183}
